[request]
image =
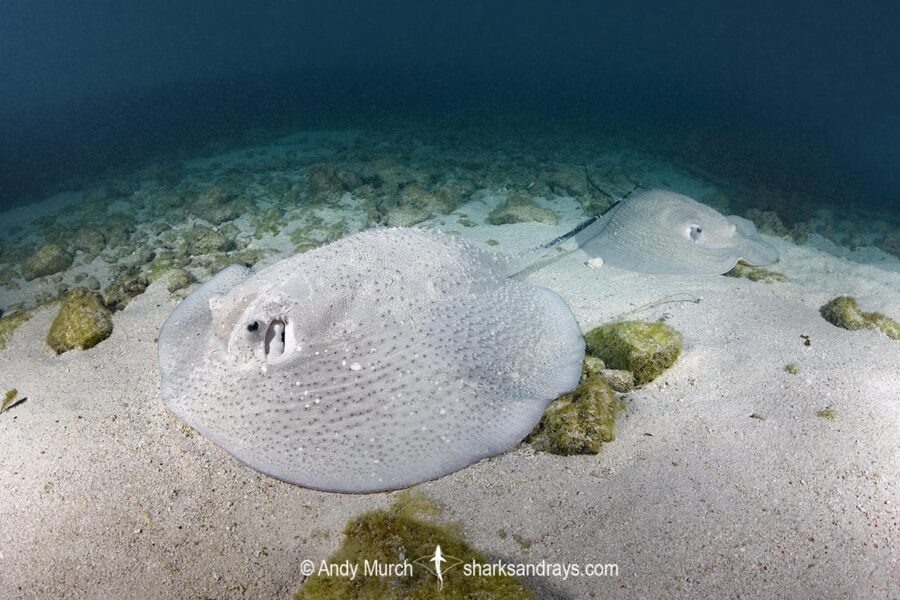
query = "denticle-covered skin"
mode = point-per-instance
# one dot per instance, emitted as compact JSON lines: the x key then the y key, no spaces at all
{"x":668,"y":233}
{"x":385,"y":359}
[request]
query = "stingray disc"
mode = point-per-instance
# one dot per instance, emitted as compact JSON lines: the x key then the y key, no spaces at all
{"x":664,"y":232}
{"x":388,"y":358}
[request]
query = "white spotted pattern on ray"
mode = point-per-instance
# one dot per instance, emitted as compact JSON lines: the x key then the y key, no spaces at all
{"x":406,"y":355}
{"x":664,"y":232}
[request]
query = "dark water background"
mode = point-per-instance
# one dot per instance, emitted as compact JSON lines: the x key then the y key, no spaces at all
{"x":804,"y":93}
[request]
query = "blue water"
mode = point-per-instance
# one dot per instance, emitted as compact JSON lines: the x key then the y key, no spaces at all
{"x":89,"y":87}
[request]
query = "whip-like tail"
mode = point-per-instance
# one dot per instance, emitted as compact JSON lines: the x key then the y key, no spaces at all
{"x":536,"y":258}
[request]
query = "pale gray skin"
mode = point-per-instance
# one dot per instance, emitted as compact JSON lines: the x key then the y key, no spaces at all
{"x":667,"y":233}
{"x":406,"y":355}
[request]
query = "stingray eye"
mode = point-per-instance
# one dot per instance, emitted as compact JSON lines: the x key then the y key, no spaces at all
{"x":253,"y":326}
{"x":696,"y":232}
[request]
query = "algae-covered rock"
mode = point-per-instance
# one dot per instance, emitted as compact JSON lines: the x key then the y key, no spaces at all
{"x":9,"y":324}
{"x":49,"y":259}
{"x":163,"y":262}
{"x":247,"y":257}
{"x":580,"y":422}
{"x":844,"y":312}
{"x":118,"y":229}
{"x":645,"y":349}
{"x":82,"y":322}
{"x":324,"y":183}
{"x":88,"y":240}
{"x":123,"y":288}
{"x":619,"y":379}
{"x":568,"y":180}
{"x":406,"y":216}
{"x":745,"y":271}
{"x":203,"y":240}
{"x":888,"y":326}
{"x":442,"y":201}
{"x":521,"y":209}
{"x":217,"y":205}
{"x":406,"y":534}
{"x":178,"y":280}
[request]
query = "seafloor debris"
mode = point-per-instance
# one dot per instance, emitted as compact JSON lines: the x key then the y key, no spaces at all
{"x":404,"y":534}
{"x":844,"y":312}
{"x":745,"y":271}
{"x":645,"y":349}
{"x":582,"y":421}
{"x":10,"y":399}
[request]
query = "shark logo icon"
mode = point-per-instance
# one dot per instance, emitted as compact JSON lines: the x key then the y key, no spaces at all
{"x":438,"y":559}
{"x":438,"y":564}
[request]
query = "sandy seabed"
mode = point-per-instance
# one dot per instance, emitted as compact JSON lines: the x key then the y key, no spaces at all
{"x":105,"y":494}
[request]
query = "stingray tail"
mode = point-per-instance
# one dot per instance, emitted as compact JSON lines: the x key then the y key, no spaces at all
{"x":539,"y":257}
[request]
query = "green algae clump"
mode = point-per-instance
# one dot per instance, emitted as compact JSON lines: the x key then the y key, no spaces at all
{"x":845,"y":313}
{"x":49,"y":259}
{"x":645,"y":349}
{"x":83,"y":322}
{"x":10,"y":399}
{"x":792,"y":369}
{"x":8,"y":325}
{"x":827,"y":413}
{"x":580,"y":422}
{"x":745,"y":271}
{"x":404,"y":534}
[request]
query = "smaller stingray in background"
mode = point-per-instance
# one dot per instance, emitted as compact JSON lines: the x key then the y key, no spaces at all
{"x":382,"y":360}
{"x":664,"y":233}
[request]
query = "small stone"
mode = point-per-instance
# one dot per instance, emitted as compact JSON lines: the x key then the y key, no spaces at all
{"x":89,"y":240}
{"x":217,"y":205}
{"x":521,"y":209}
{"x":568,"y":180}
{"x":122,"y":289}
{"x":203,"y":240}
{"x":324,"y":183}
{"x":620,"y":380}
{"x":178,"y":280}
{"x":406,"y":216}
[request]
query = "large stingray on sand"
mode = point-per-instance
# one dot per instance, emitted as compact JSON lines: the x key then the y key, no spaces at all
{"x":382,"y":360}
